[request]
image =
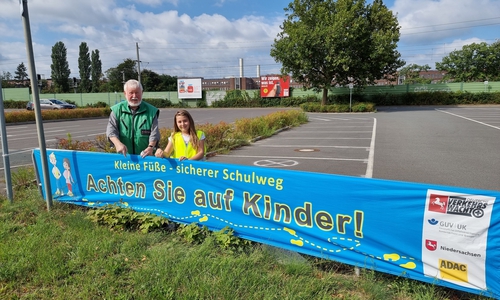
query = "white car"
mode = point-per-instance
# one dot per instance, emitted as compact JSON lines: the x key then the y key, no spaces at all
{"x":50,"y":104}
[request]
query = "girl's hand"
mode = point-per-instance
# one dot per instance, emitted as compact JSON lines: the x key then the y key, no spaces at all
{"x":159,"y":152}
{"x":183,"y":158}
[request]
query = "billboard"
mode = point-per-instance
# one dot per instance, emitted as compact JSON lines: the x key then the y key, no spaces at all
{"x":189,"y":88}
{"x":274,"y":86}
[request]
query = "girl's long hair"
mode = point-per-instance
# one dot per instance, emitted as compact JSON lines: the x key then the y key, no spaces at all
{"x":192,"y":129}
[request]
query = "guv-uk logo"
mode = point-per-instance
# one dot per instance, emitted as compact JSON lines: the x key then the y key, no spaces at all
{"x":457,"y":205}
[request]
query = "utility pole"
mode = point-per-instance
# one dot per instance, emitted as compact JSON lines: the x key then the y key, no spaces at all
{"x":138,"y":63}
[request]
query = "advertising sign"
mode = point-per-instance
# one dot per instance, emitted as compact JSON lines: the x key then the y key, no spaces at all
{"x":441,"y":235}
{"x":274,"y":86}
{"x":189,"y":88}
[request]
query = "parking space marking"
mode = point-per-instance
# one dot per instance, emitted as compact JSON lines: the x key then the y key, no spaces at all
{"x":294,"y":157}
{"x":323,"y":138}
{"x":337,"y":131}
{"x":371,"y":154}
{"x":276,"y":163}
{"x":314,"y":146}
{"x":469,"y":119}
{"x":328,"y":120}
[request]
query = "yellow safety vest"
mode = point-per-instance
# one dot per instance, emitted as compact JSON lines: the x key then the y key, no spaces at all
{"x":180,"y":147}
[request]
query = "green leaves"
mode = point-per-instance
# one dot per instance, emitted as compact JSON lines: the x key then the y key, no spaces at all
{"x":119,"y":217}
{"x":60,"y":68}
{"x":329,"y":43}
{"x":474,"y":62}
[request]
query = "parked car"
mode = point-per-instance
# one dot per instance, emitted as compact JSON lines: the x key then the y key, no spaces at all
{"x":51,"y":104}
{"x":63,"y":104}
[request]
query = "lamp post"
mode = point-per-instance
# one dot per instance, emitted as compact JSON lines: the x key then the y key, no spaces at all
{"x":351,"y":86}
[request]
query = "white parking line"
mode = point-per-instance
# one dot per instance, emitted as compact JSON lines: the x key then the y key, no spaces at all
{"x":482,"y":123}
{"x":323,"y":138}
{"x":328,"y":120}
{"x":309,"y":146}
{"x":294,"y":157}
{"x":371,"y":154}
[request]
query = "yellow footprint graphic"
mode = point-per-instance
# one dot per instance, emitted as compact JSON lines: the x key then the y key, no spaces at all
{"x":392,"y":257}
{"x":409,"y":265}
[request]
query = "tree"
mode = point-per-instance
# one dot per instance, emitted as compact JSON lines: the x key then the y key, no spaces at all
{"x":168,"y":83}
{"x":84,"y":66}
{"x":6,"y":75}
{"x":60,"y":68}
{"x":6,"y":78}
{"x":474,"y":62}
{"x":151,"y":81}
{"x":325,"y":43}
{"x":411,"y":74}
{"x":494,"y":66}
{"x":123,"y":72}
{"x":21,"y":74}
{"x":96,"y":66}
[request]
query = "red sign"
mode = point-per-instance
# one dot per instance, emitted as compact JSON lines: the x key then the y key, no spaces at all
{"x":274,"y":86}
{"x":438,"y":203}
{"x":431,"y":245}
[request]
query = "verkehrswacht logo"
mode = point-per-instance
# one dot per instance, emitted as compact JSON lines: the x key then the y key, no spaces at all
{"x":457,"y":205}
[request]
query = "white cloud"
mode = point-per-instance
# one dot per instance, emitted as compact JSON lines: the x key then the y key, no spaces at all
{"x":431,"y":20}
{"x":431,"y":29}
{"x":169,"y":42}
{"x":155,"y":2}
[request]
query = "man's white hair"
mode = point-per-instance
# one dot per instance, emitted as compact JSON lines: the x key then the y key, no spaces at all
{"x":132,"y":84}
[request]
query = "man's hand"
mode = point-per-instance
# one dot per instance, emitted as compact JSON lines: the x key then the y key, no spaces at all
{"x":121,"y":148}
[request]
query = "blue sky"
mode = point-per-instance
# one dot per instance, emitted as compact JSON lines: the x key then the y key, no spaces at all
{"x":209,"y":37}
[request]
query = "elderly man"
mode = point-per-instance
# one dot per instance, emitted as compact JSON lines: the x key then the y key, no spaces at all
{"x":133,"y":124}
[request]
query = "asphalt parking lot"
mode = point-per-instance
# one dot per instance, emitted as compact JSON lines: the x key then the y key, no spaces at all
{"x":452,"y":146}
{"x":329,"y":143}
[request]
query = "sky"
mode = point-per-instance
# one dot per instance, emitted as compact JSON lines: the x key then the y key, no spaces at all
{"x":210,"y":38}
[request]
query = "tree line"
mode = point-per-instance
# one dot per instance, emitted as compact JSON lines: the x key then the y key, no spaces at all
{"x":322,"y":44}
{"x":91,"y":78}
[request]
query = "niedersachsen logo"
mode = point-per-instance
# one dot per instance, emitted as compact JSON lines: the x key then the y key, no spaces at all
{"x":457,"y":205}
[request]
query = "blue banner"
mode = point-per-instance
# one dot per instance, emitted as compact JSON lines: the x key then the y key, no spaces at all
{"x":437,"y":234}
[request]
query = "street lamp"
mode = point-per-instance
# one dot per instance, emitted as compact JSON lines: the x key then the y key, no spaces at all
{"x":351,"y":86}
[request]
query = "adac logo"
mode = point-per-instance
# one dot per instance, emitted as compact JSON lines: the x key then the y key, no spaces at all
{"x":438,"y":203}
{"x":431,"y":245}
{"x":453,"y":271}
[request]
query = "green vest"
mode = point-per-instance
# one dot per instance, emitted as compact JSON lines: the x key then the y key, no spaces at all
{"x":180,"y":147}
{"x":134,"y":129}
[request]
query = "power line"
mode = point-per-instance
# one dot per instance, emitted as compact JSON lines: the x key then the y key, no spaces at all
{"x":445,"y":24}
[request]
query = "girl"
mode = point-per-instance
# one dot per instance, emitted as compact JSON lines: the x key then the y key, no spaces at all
{"x":185,"y":142}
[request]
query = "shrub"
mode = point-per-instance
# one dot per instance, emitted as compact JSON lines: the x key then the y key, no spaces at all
{"x":120,"y":217}
{"x":23,"y":178}
{"x":99,"y":104}
{"x":69,"y":144}
{"x":158,"y":102}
